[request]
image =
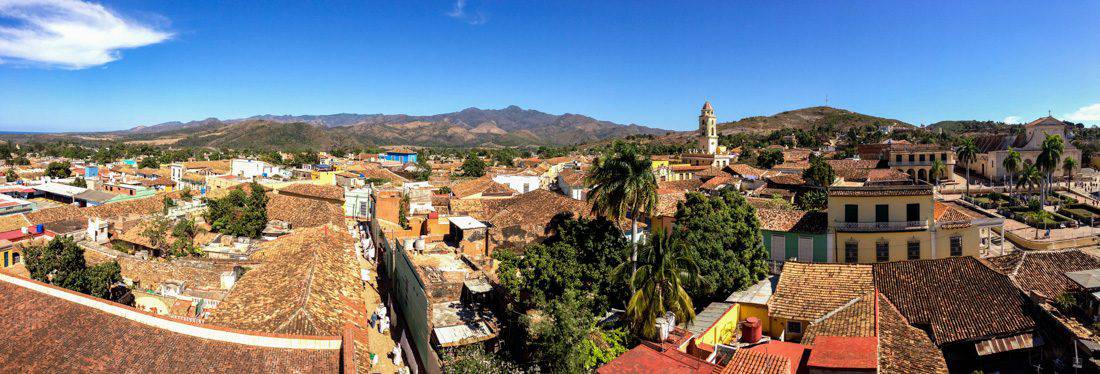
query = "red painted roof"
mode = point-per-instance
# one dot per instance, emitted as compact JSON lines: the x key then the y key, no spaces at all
{"x":844,"y":352}
{"x":794,"y":352}
{"x":650,"y":358}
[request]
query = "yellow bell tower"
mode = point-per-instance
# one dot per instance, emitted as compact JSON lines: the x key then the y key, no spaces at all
{"x":708,"y":130}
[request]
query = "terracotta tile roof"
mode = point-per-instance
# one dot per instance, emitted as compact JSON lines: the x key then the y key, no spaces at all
{"x":907,"y":190}
{"x":959,"y":298}
{"x":792,"y":165}
{"x":535,"y":208}
{"x":787,"y":179}
{"x":886,"y":175}
{"x":303,"y":212}
{"x":718,"y":181}
{"x":221,"y":166}
{"x":745,"y":170}
{"x":854,"y":318}
{"x":308,"y":283}
{"x":951,"y":215}
{"x":902,"y":347}
{"x":375,"y":172}
{"x":47,"y":333}
{"x":790,"y":220}
{"x":151,"y":273}
{"x":853,"y":170}
{"x":651,"y":358}
{"x":757,"y":362}
{"x":327,"y":192}
{"x":808,"y":291}
{"x":685,"y":185}
{"x":845,"y":353}
{"x":483,"y":185}
{"x":692,"y":168}
{"x":13,"y":222}
{"x":123,"y":209}
{"x":1045,"y":272}
{"x":667,"y":203}
{"x":573,"y":177}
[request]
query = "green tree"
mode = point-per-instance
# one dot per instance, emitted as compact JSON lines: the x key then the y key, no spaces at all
{"x":812,"y":200}
{"x":820,"y":173}
{"x":79,"y":182}
{"x":183,"y":235}
{"x":59,"y":169}
{"x":1068,"y":165}
{"x":769,"y":157}
{"x":558,"y":337}
{"x":156,"y":231}
{"x":403,"y":212}
{"x":239,"y":213}
{"x":11,"y":175}
{"x":1047,"y":161}
{"x":60,"y":262}
{"x":623,"y":184}
{"x":1012,"y":164}
{"x":661,"y":279}
{"x":725,"y":243}
{"x":473,"y":166}
{"x":967,"y":152}
{"x":423,"y":169}
{"x":474,"y":359}
{"x":937,"y":171}
{"x":149,"y":162}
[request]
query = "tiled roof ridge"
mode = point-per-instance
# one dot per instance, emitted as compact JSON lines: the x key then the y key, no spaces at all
{"x":302,"y":310}
{"x":204,"y":331}
{"x":837,"y":310}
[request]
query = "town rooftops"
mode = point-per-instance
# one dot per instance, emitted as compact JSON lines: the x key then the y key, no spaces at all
{"x":1087,"y":279}
{"x":466,"y":223}
{"x":95,"y":196}
{"x":327,"y":192}
{"x":845,"y":352}
{"x":13,"y":222}
{"x":808,"y":291}
{"x":59,"y":189}
{"x":792,"y":220}
{"x":706,"y":318}
{"x":758,"y":293}
{"x":303,"y":211}
{"x":757,"y":362}
{"x":51,"y":329}
{"x":653,"y":358}
{"x":960,"y":299}
{"x":882,"y":190}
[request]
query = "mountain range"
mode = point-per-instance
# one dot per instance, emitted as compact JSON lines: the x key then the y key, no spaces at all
{"x":510,"y":126}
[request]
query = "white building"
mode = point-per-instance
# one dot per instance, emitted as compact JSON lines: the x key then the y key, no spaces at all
{"x":357,"y":203}
{"x":518,"y":182}
{"x":248,"y":169}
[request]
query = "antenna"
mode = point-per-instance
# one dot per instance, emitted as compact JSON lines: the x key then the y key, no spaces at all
{"x":826,"y":99}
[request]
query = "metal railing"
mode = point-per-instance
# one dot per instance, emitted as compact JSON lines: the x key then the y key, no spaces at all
{"x":880,"y":226}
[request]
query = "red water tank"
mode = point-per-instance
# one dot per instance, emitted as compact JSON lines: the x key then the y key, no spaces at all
{"x":433,"y":215}
{"x":751,"y":331}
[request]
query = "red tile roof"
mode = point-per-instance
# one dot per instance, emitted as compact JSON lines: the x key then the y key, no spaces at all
{"x":757,"y":362}
{"x":844,"y":352}
{"x":50,"y":329}
{"x":651,"y":358}
{"x":793,"y":352}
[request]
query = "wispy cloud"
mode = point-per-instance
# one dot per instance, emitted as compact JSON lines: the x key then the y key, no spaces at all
{"x":69,"y":34}
{"x":1088,"y":113}
{"x":1012,"y":120}
{"x":459,"y":12}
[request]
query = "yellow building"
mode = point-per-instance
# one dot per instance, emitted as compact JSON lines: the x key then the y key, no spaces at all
{"x":324,"y":177}
{"x":892,"y":218}
{"x":719,"y":322}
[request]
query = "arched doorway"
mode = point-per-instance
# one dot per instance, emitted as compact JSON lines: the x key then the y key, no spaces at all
{"x":912,"y":174}
{"x":922,"y":175}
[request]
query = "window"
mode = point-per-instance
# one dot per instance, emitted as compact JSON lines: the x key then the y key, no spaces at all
{"x":898,"y":159}
{"x":912,"y":158}
{"x":851,"y":213}
{"x":882,"y":213}
{"x":882,"y":251}
{"x":943,"y":157}
{"x":912,"y":212}
{"x":363,"y":208}
{"x":921,"y":158}
{"x":794,"y":327}
{"x":913,"y":250}
{"x":956,"y":246}
{"x":851,"y":252}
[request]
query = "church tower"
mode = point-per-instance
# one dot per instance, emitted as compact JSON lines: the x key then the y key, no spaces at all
{"x":708,"y":130}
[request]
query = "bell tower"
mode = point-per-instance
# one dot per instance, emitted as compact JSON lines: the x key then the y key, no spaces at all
{"x":708,"y":130}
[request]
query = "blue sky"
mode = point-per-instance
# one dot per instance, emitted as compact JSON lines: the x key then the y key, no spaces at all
{"x":72,"y":66}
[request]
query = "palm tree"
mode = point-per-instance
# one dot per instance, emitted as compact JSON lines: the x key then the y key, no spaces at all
{"x":967,"y":153}
{"x":1047,"y":161}
{"x":1029,"y":176}
{"x":1067,"y":168}
{"x":937,"y":171}
{"x":659,"y":281}
{"x":1012,"y":164}
{"x":624,"y":183}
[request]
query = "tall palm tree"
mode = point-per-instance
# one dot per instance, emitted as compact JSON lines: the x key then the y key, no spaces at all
{"x":1047,"y":161}
{"x":659,"y":281}
{"x":1029,"y":177}
{"x":1067,"y":168}
{"x":967,"y":153}
{"x":623,"y":183}
{"x":936,"y":172}
{"x":1012,"y":164}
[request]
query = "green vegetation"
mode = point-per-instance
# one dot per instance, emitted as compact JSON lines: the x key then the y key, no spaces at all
{"x":967,"y":152}
{"x":725,"y":243}
{"x":239,"y":213}
{"x":184,"y":233}
{"x":660,"y":280}
{"x":79,"y":182}
{"x":149,"y":163}
{"x":10,"y":175}
{"x":60,"y":262}
{"x":812,"y":200}
{"x":473,"y":359}
{"x":820,"y":174}
{"x":624,"y":184}
{"x":769,"y":157}
{"x":59,"y":169}
{"x":473,"y":166}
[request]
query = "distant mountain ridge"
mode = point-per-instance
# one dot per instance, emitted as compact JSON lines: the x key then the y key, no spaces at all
{"x":469,"y":127}
{"x":807,"y":118}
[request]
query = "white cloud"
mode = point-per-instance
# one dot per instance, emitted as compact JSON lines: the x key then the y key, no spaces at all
{"x":69,"y":34}
{"x":459,"y":12}
{"x":1088,"y":113}
{"x":1012,"y":120}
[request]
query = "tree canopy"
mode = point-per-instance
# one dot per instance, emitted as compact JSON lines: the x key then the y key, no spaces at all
{"x":59,"y":169}
{"x":239,"y":213}
{"x":725,"y":243}
{"x":473,"y":166}
{"x":769,"y":158}
{"x":60,"y":262}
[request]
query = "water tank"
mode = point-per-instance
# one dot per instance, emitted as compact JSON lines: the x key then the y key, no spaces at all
{"x":420,"y":244}
{"x":40,"y":228}
{"x":751,"y":330}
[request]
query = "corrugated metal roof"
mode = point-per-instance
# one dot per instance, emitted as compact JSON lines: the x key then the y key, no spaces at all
{"x":706,"y":318}
{"x":758,"y":294}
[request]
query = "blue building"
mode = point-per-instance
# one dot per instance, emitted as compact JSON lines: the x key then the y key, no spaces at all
{"x":91,"y":171}
{"x":403,"y":157}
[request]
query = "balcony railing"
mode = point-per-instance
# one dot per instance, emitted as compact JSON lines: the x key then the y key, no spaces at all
{"x":880,"y":226}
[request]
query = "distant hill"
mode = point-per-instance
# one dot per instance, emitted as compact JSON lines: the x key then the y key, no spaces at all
{"x":511,"y":126}
{"x":807,"y":118}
